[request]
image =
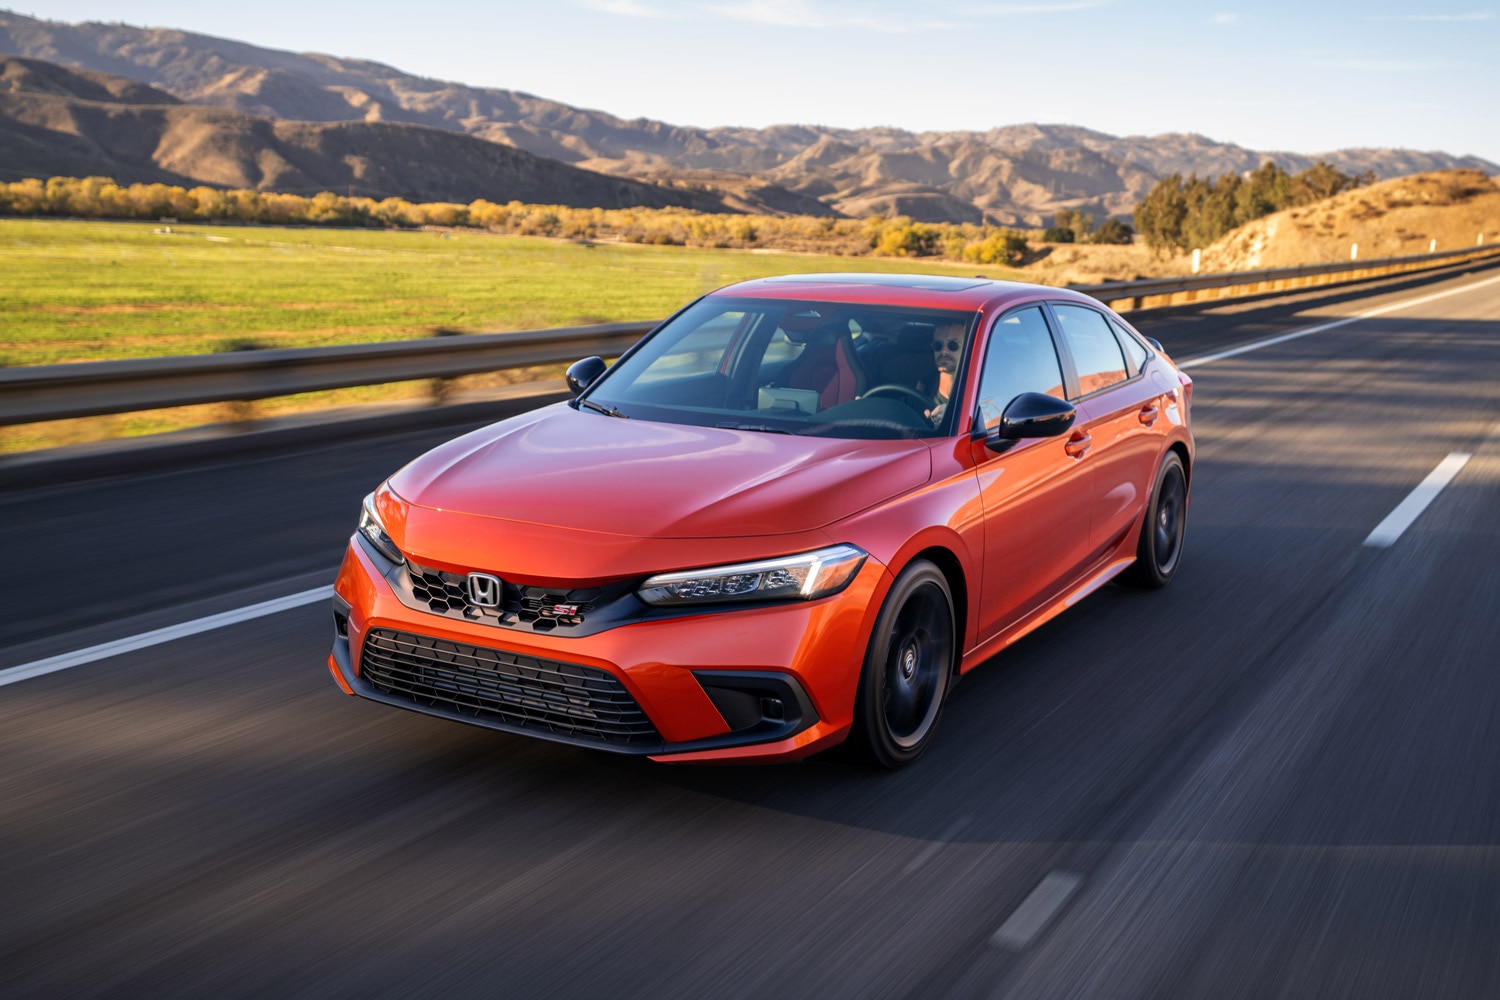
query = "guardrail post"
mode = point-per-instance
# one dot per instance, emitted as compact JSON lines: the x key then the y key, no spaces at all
{"x":242,"y":412}
{"x":439,"y":388}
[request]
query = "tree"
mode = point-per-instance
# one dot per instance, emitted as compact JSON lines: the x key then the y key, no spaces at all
{"x":1081,"y":225}
{"x":1159,"y":216}
{"x":1181,"y":215}
{"x":1113,"y":231}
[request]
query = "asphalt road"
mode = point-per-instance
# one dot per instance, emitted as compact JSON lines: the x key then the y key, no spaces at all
{"x":1275,"y":778}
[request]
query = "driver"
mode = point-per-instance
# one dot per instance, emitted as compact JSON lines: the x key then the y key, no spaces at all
{"x":947,"y":341}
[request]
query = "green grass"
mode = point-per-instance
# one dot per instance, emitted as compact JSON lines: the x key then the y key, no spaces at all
{"x":86,"y":291}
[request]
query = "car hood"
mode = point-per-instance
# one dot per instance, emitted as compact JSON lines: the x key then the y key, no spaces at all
{"x":584,"y":471}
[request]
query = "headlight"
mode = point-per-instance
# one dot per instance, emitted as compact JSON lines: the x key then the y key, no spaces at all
{"x":375,"y":533}
{"x":805,"y":577}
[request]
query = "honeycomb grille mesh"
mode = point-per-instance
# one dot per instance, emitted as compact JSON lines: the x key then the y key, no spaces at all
{"x":443,"y":592}
{"x":542,"y":608}
{"x":492,"y":684}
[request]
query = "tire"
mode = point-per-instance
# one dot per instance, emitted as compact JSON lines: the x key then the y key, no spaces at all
{"x":908,"y":669}
{"x":1159,"y":552}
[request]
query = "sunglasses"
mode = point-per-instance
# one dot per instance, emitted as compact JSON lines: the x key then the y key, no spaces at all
{"x":937,"y":345}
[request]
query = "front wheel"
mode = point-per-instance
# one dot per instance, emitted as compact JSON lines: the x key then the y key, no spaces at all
{"x":907,"y":668}
{"x":1159,"y":551}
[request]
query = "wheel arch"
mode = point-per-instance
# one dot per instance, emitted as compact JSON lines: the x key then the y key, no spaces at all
{"x":947,"y":562}
{"x":1181,"y":449}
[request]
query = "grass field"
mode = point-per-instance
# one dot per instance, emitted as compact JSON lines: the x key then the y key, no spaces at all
{"x":92,"y":291}
{"x":87,"y":291}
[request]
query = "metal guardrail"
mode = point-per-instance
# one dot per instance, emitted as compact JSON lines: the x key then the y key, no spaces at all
{"x":1127,"y":295}
{"x":57,"y":392}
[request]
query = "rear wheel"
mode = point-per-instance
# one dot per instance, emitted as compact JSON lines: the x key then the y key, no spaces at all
{"x":907,"y":669}
{"x":1159,"y":551}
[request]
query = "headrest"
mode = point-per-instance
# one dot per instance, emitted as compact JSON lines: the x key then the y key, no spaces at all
{"x":915,"y":337}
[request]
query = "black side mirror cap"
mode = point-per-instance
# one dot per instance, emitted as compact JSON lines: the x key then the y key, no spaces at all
{"x":1032,"y":415}
{"x":581,"y":374}
{"x":1156,"y":345}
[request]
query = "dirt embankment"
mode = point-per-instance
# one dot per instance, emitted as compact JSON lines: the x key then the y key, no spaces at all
{"x":1395,"y":218}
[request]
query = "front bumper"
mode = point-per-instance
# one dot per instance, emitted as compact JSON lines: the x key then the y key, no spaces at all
{"x":773,"y":682}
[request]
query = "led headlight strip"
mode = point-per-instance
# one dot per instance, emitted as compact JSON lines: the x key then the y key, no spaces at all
{"x":375,"y":533}
{"x":801,"y":577}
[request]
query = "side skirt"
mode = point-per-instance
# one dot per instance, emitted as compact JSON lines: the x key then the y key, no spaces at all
{"x":1046,"y":613}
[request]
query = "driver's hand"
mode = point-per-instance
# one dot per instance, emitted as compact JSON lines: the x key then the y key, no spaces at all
{"x":936,"y":413}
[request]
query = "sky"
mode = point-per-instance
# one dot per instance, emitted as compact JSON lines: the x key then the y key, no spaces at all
{"x":1303,"y":77}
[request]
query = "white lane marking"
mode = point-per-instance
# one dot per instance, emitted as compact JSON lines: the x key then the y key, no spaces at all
{"x":1022,"y":926}
{"x":937,"y":845}
{"x":1408,"y":510}
{"x":1295,"y":334}
{"x":155,"y":637}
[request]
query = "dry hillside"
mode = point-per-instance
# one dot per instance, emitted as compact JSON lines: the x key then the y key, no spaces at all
{"x":1020,"y":174}
{"x":57,"y":121}
{"x":1388,"y":219}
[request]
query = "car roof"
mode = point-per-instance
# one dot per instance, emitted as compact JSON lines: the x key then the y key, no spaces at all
{"x":918,"y":291}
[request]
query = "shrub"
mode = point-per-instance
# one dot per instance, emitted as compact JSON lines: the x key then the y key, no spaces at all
{"x":1080,"y":224}
{"x":1003,"y":246}
{"x":1113,"y":231}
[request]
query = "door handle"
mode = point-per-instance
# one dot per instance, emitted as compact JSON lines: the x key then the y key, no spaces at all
{"x":1148,"y":414}
{"x":1078,"y":444}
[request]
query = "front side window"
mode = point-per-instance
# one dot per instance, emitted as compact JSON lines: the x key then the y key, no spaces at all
{"x":1020,"y":358}
{"x":796,"y":367}
{"x":1096,"y":352}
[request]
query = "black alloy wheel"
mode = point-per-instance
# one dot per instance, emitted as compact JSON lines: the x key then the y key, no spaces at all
{"x":1159,"y":552}
{"x":908,"y":666}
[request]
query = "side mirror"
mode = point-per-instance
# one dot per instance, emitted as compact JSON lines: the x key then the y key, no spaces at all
{"x":1032,"y":415}
{"x":581,"y":374}
{"x":1156,"y":345}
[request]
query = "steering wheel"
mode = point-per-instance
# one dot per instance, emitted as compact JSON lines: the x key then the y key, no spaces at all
{"x":928,"y":402}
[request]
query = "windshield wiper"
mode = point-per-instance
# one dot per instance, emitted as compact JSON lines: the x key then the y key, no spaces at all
{"x":731,"y":426}
{"x":601,"y":408}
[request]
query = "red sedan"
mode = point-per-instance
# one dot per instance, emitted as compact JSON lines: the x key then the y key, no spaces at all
{"x":792,"y":515}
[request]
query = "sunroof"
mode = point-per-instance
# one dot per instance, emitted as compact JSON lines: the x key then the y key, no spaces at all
{"x":925,"y":282}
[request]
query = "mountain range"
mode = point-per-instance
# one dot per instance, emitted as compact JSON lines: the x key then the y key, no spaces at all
{"x":58,"y":121}
{"x":339,"y":122}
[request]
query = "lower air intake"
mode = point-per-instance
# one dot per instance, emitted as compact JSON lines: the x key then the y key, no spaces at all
{"x":492,"y":684}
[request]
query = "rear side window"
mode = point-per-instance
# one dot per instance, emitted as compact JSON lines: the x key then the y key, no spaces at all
{"x":1135,"y":351}
{"x":1096,"y":352}
{"x":1020,"y":358}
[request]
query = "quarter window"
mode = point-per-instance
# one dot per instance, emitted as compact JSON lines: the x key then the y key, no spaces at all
{"x":1135,"y":352}
{"x":1020,"y":358}
{"x":1096,"y":353}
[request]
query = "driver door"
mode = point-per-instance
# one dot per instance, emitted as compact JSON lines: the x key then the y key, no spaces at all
{"x":1036,"y":495}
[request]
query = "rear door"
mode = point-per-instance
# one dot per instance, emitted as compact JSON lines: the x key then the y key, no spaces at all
{"x":1118,"y":414}
{"x":1036,"y":496}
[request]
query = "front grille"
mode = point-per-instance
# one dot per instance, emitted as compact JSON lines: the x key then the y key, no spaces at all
{"x":495,"y":685}
{"x":541,"y":608}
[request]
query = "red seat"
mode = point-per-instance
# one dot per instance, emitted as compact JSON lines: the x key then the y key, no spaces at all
{"x":829,"y":367}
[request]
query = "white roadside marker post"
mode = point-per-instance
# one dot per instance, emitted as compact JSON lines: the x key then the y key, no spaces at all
{"x":1197,"y":260}
{"x":1354,"y":251}
{"x":1432,"y":247}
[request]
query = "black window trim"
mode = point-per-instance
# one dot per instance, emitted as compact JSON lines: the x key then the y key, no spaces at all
{"x":1121,"y":327}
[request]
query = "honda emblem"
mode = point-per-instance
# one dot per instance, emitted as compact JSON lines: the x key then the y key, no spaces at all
{"x":484,"y":590}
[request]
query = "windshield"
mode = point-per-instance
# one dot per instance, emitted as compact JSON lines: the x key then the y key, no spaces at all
{"x":795,"y":367}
